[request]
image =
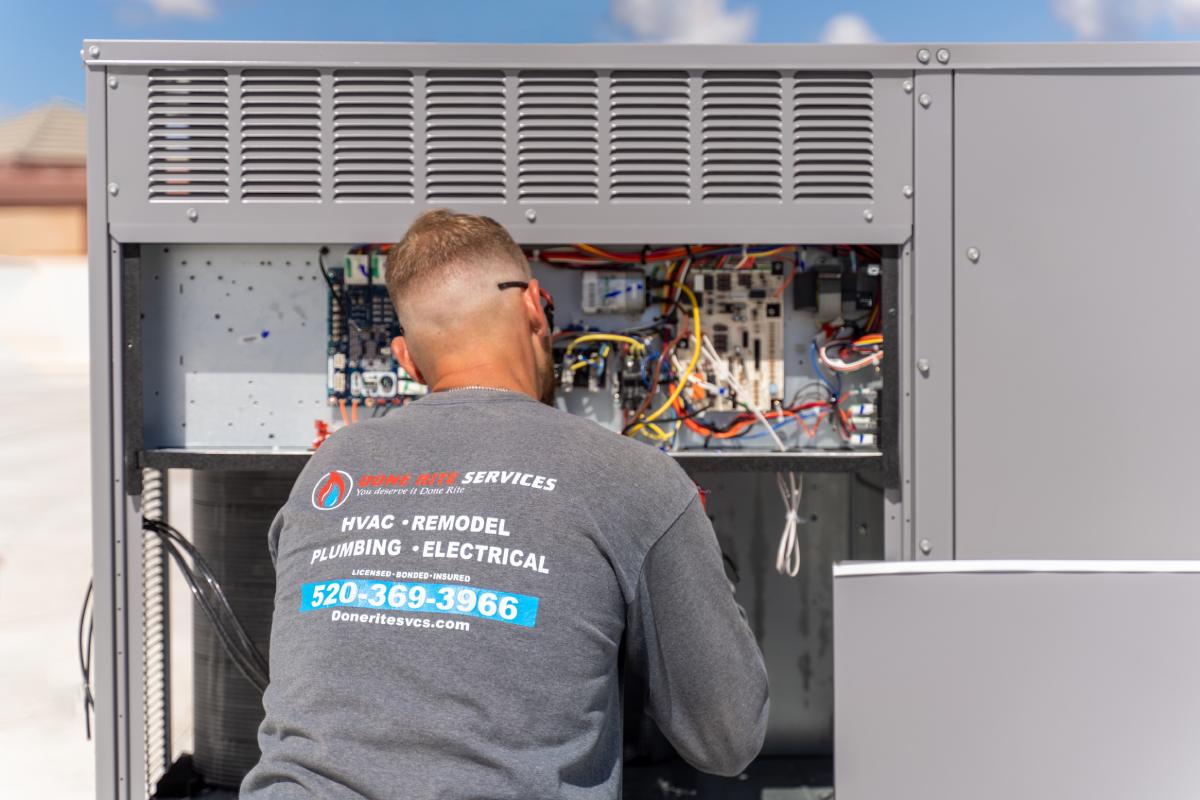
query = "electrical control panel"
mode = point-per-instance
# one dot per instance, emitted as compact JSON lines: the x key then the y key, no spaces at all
{"x":360,"y":368}
{"x":737,"y":347}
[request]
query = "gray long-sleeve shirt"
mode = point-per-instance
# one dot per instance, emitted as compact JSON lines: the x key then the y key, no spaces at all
{"x":454,"y":583}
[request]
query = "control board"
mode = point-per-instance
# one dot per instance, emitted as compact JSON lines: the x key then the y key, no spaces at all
{"x":362,"y":324}
{"x":744,"y":311}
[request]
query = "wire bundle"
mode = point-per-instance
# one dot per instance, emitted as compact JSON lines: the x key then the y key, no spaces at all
{"x":787,"y":559}
{"x":213,"y":602}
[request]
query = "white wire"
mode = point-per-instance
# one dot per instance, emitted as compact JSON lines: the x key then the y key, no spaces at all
{"x":725,"y":376}
{"x":787,"y":560}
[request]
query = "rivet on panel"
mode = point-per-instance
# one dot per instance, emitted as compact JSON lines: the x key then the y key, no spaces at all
{"x":923,"y":366}
{"x":93,"y":52}
{"x":925,"y":100}
{"x":869,"y":215}
{"x":926,"y":547}
{"x":112,"y":82}
{"x":908,"y":86}
{"x":923,"y":55}
{"x":973,"y":255}
{"x":113,"y":189}
{"x":943,"y":55}
{"x":193,"y":214}
{"x":907,"y":191}
{"x":531,"y":215}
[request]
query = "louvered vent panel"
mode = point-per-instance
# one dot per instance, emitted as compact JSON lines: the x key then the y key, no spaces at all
{"x":281,"y":135}
{"x":372,"y":135}
{"x":188,"y":147}
{"x":558,"y":136}
{"x":464,"y":135}
{"x":835,"y":136}
{"x":742,"y":124}
{"x":649,"y":120}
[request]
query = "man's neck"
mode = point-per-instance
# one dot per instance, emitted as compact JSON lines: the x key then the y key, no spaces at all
{"x":482,"y":378}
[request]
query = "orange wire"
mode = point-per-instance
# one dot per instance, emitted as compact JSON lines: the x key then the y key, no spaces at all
{"x":354,"y":410}
{"x":342,"y":408}
{"x":785,"y":284}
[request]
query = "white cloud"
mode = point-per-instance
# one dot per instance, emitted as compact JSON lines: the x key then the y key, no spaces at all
{"x":1125,"y":19}
{"x":192,"y":9}
{"x":848,"y":29}
{"x":685,"y":21}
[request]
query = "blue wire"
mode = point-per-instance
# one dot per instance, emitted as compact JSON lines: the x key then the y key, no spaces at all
{"x":776,"y":426}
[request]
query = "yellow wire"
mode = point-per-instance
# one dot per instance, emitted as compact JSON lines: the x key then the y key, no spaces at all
{"x":606,"y":337}
{"x":683,"y":379}
{"x":652,"y":431}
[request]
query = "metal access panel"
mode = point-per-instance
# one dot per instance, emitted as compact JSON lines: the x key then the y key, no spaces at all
{"x":293,"y":142}
{"x":1014,"y":679}
{"x":1074,"y":209}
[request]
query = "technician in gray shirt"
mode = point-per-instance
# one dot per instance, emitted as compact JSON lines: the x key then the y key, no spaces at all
{"x":455,"y":580}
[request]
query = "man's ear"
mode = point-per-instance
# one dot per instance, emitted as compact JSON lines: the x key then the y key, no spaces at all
{"x":533,"y":309}
{"x":400,"y":353}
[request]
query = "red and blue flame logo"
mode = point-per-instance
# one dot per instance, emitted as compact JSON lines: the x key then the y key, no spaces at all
{"x":332,"y":490}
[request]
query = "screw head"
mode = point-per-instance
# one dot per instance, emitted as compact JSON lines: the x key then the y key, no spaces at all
{"x":908,"y":86}
{"x":923,"y":55}
{"x":113,"y":189}
{"x":973,"y":255}
{"x":925,"y":100}
{"x":112,"y":82}
{"x":531,"y":215}
{"x":943,"y":55}
{"x":923,"y":366}
{"x":926,"y":547}
{"x":93,"y":52}
{"x":907,"y":191}
{"x":869,"y":215}
{"x":193,"y":215}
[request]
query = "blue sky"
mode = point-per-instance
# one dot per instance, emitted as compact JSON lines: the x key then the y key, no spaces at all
{"x":40,"y":39}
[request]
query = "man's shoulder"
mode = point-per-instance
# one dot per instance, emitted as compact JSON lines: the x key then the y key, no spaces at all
{"x":591,"y":442}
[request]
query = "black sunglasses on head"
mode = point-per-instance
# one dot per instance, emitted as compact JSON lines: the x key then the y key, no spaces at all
{"x":546,"y":298}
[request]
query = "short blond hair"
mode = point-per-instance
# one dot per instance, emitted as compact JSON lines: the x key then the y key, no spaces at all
{"x":442,"y":240}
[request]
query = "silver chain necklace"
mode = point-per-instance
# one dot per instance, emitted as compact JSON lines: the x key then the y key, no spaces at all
{"x":482,"y":388}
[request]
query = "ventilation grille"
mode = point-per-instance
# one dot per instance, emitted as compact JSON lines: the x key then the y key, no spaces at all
{"x":464,"y":139}
{"x":558,"y":136}
{"x":281,"y":135}
{"x":649,"y":138}
{"x":532,"y":136}
{"x":742,"y":124}
{"x":835,"y":136}
{"x":188,"y":147}
{"x":372,"y":135}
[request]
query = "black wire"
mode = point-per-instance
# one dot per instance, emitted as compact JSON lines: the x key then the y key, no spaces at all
{"x":341,"y":301}
{"x":200,"y":566}
{"x":246,"y":662}
{"x":215,"y":605}
{"x":85,"y":659}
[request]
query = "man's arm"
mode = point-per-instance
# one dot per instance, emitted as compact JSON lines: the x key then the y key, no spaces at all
{"x":707,"y":682}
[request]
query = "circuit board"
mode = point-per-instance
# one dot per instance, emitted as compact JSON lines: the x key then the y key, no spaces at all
{"x":744,"y":311}
{"x":362,"y":324}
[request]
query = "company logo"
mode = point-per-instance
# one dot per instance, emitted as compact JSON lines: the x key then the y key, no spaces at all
{"x":332,"y":490}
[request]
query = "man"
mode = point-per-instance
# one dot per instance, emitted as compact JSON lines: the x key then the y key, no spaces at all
{"x":455,"y":580}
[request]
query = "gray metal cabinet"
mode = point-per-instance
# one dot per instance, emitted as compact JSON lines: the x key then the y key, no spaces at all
{"x":1075,"y":211}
